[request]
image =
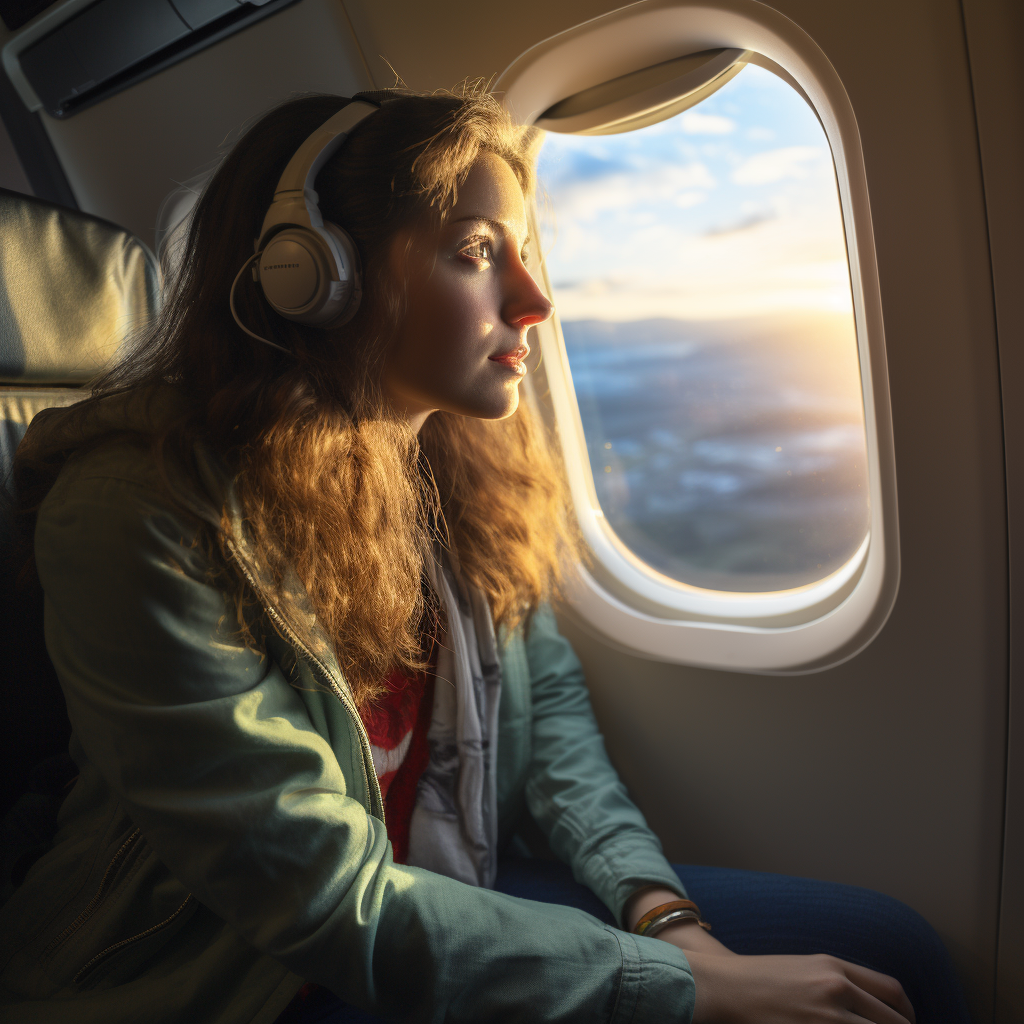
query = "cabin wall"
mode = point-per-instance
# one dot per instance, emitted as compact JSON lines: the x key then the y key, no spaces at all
{"x":995,"y":34}
{"x":887,"y":771}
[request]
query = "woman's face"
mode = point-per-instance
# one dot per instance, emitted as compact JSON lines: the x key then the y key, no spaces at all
{"x":471,"y":301}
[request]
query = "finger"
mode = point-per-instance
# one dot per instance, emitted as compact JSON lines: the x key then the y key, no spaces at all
{"x":872,"y":1009}
{"x":881,"y":987}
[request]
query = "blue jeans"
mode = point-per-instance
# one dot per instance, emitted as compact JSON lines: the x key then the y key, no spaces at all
{"x":755,"y":912}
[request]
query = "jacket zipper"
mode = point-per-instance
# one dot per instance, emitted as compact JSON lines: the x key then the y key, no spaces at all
{"x":373,"y":788}
{"x":127,"y":942}
{"x":208,"y":468}
{"x":101,"y":892}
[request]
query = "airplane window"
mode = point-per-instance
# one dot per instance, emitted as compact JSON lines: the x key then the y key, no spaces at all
{"x":700,"y":275}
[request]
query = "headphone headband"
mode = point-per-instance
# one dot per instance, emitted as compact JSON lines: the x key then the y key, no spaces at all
{"x":307,"y":268}
{"x":295,"y":201}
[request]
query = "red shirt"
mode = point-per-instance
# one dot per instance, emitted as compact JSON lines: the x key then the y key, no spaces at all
{"x":397,"y":725}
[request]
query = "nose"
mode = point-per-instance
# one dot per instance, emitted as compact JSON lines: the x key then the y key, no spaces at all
{"x":525,"y":304}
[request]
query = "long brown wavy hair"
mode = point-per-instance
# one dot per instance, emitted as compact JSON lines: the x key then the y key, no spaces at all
{"x":330,"y":483}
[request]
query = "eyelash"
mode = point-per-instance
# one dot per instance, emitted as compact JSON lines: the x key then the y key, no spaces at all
{"x":485,"y":243}
{"x":477,"y":244}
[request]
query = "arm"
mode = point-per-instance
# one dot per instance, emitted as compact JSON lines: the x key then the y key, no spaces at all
{"x":213,"y":755}
{"x":576,"y":796}
{"x":573,"y":791}
{"x":762,"y":989}
{"x":687,"y":935}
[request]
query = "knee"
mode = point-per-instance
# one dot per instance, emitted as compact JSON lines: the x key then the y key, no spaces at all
{"x":884,"y":918}
{"x":806,"y":912}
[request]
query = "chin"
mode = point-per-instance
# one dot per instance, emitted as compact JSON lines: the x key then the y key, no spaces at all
{"x":490,"y":407}
{"x":503,"y":409}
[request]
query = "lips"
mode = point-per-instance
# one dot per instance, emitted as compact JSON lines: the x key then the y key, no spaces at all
{"x":514,"y":359}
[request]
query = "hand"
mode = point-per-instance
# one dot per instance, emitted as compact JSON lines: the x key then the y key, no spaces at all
{"x":793,"y":990}
{"x":734,"y":989}
{"x":687,"y":935}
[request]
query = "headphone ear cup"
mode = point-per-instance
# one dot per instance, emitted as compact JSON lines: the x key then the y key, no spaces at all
{"x":311,"y":276}
{"x":294,"y":273}
{"x":309,"y":269}
{"x":349,"y":273}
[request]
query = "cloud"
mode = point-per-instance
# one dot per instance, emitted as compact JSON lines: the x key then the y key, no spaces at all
{"x":824,"y":271}
{"x":614,"y":301}
{"x":693,"y":122}
{"x":576,"y":164}
{"x":776,"y":164}
{"x":752,"y":220}
{"x":774,"y":262}
{"x":619,"y":191}
{"x":687,"y":199}
{"x":664,"y":222}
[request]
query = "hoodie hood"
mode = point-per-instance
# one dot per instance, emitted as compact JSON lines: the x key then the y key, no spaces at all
{"x":60,"y":431}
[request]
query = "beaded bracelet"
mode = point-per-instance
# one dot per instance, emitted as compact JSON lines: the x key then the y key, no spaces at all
{"x":669,"y":913}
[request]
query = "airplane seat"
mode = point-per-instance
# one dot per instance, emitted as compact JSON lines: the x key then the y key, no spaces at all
{"x":73,"y":290}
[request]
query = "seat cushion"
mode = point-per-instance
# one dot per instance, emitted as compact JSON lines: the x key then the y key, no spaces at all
{"x":17,"y":407}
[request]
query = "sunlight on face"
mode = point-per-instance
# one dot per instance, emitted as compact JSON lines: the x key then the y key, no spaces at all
{"x":471,"y":301}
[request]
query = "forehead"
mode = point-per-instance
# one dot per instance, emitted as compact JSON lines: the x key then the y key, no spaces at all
{"x":491,"y":191}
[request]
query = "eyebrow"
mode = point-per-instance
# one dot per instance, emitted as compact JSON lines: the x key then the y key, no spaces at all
{"x":497,"y":225}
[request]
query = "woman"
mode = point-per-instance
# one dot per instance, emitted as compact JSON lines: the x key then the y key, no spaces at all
{"x":290,"y":570}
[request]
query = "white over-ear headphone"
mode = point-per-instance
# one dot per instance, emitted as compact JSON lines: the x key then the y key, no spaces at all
{"x":308,"y":268}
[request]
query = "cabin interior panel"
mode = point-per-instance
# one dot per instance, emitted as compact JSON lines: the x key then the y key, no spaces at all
{"x":995,"y":35}
{"x":124,"y":155}
{"x":887,"y":771}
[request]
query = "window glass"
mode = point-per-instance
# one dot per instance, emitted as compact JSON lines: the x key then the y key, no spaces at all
{"x":700,"y":276}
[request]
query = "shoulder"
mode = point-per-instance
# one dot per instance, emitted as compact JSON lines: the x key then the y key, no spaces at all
{"x":117,"y":559}
{"x":109,"y":494}
{"x":106,"y":445}
{"x":113,"y":464}
{"x":116,"y":518}
{"x":537,"y":655}
{"x":125,"y":458}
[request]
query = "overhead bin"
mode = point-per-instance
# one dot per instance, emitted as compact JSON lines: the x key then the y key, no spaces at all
{"x":643,"y":97}
{"x":111,"y":44}
{"x":16,"y":13}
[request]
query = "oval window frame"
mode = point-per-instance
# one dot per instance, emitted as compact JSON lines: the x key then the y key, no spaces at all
{"x":620,"y":598}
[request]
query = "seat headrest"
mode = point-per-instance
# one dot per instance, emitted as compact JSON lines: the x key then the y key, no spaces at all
{"x":73,"y":289}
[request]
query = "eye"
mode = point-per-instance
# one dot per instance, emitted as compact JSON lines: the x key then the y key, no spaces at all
{"x":479,"y":249}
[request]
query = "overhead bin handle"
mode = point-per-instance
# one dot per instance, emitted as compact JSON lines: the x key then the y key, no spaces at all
{"x":643,"y":97}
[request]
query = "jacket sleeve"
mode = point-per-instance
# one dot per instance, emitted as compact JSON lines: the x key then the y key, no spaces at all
{"x":573,"y":791}
{"x":214,"y":757}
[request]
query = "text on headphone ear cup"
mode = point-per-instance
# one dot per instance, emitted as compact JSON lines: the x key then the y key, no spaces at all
{"x":291,"y":271}
{"x":309,"y":269}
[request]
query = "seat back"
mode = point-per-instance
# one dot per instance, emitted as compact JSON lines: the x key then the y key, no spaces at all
{"x":74,"y":289}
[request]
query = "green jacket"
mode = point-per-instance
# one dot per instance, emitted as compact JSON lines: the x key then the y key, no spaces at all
{"x":225,"y":841}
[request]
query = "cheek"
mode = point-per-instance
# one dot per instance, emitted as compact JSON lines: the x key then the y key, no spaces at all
{"x":441,"y":359}
{"x":462,"y":306}
{"x":448,"y":327}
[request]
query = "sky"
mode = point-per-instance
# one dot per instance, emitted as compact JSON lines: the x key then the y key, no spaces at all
{"x":727,"y":210}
